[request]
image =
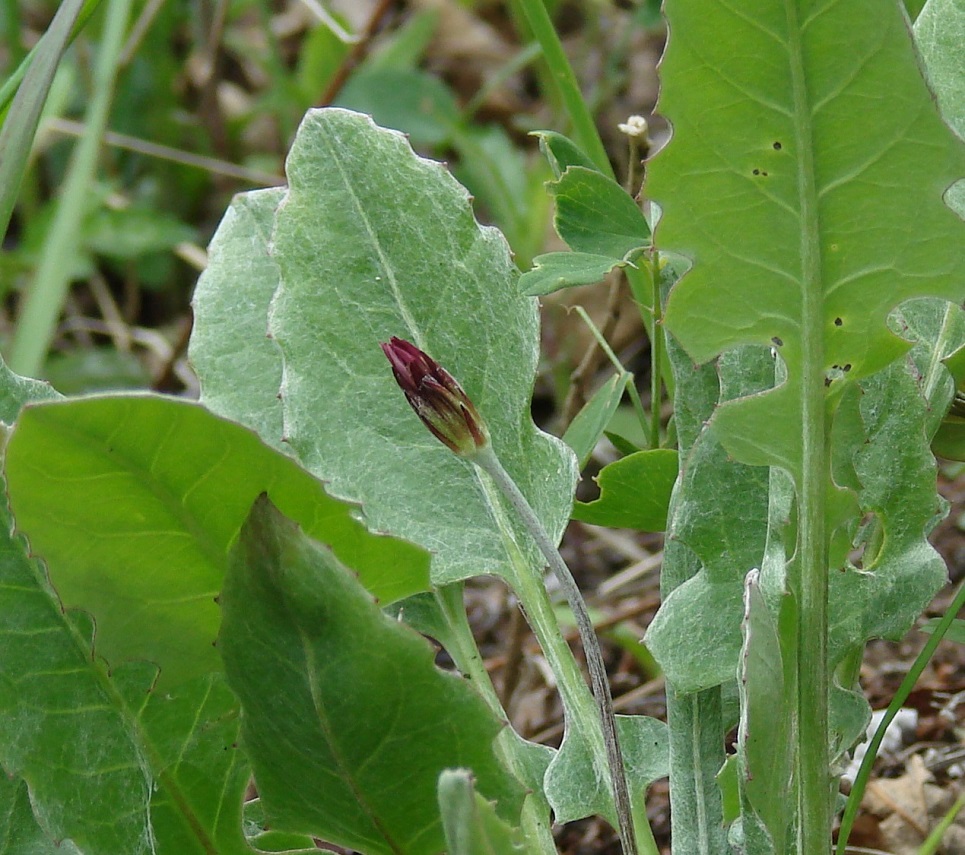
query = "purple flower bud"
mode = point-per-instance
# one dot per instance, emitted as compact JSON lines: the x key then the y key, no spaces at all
{"x":437,"y":398}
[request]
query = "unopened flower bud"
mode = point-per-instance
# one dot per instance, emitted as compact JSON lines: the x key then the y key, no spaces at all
{"x":634,"y":126}
{"x":437,"y":398}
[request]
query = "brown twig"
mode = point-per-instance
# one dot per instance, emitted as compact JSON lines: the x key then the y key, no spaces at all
{"x":355,"y":55}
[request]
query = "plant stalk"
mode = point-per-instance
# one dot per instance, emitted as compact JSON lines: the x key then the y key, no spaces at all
{"x":567,"y":87}
{"x":44,"y":301}
{"x":465,"y":654}
{"x":809,"y":569}
{"x":489,"y":463}
{"x":656,"y":351}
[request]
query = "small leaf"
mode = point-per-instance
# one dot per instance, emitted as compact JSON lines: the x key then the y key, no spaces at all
{"x":574,"y":788}
{"x":596,"y":215}
{"x":949,"y":442}
{"x":586,"y":429}
{"x":561,"y":152}
{"x":347,"y":720}
{"x":556,"y":270}
{"x":16,"y":392}
{"x":955,"y":632}
{"x":471,"y":824}
{"x":621,"y":443}
{"x":634,"y":492}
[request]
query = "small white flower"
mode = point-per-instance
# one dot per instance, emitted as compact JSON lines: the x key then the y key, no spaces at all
{"x":634,"y":126}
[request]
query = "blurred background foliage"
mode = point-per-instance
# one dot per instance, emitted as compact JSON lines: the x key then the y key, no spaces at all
{"x":201,"y":99}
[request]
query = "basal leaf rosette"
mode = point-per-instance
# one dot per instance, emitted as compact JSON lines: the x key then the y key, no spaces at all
{"x":804,"y":181}
{"x":372,"y":242}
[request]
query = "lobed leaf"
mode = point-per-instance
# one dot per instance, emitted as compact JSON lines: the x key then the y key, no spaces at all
{"x":372,"y":241}
{"x":634,"y":492}
{"x":806,"y":187}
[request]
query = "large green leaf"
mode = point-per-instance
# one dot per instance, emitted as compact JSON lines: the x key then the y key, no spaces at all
{"x":372,"y":241}
{"x":133,"y":501}
{"x":347,"y":719}
{"x":238,"y":366}
{"x":804,"y":180}
{"x":110,"y":763}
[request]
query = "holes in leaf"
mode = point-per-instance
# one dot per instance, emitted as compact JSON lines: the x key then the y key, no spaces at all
{"x":778,"y":341}
{"x":777,"y":145}
{"x":838,"y":322}
{"x":866,"y":543}
{"x":836,"y":372}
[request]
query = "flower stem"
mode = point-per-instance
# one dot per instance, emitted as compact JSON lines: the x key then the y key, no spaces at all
{"x":489,"y":463}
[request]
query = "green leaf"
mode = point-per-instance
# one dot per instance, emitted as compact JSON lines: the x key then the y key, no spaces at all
{"x":621,"y":443}
{"x":407,"y":43}
{"x":19,"y":832}
{"x":720,"y":514}
{"x":104,"y":485}
{"x":372,"y":242}
{"x":949,"y":442}
{"x":789,"y":183}
{"x":471,"y":824}
{"x":939,"y":34}
{"x":21,"y":120}
{"x":128,"y":233}
{"x":556,"y":270}
{"x":956,"y":632}
{"x":111,"y":764}
{"x":763,"y":746}
{"x":238,"y":365}
{"x":16,"y":392}
{"x":265,"y":839}
{"x":575,"y":790}
{"x":634,"y":492}
{"x":200,"y":774}
{"x":596,"y":215}
{"x":897,"y":473}
{"x":561,"y":152}
{"x":347,"y":720}
{"x":586,"y":429}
